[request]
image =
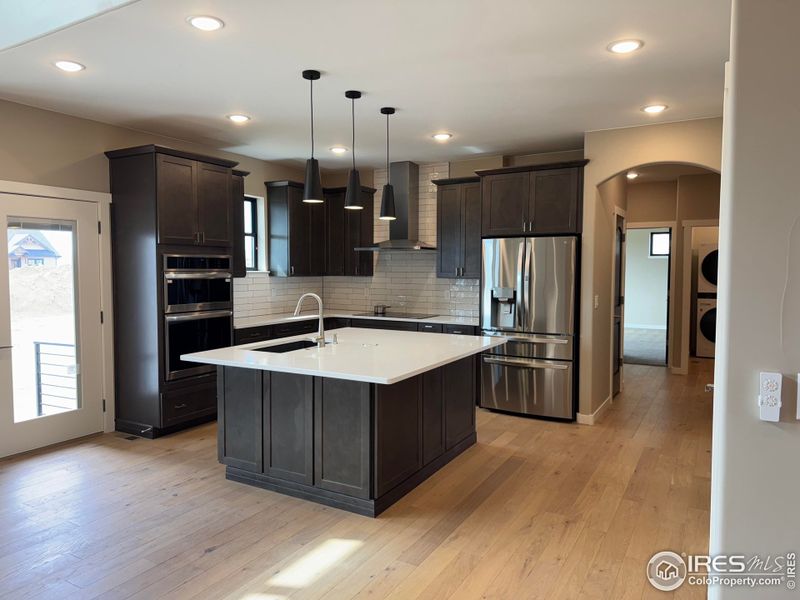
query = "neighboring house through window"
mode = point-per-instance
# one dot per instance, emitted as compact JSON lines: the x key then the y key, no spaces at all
{"x":30,"y":248}
{"x":251,"y":233}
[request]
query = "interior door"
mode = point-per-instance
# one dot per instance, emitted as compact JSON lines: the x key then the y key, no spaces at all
{"x":50,"y":333}
{"x":619,"y":302}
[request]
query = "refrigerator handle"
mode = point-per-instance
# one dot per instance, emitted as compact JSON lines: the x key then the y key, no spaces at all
{"x":519,"y":302}
{"x":526,"y":274}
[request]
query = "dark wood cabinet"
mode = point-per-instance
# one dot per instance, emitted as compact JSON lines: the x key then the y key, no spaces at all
{"x":505,"y":204}
{"x":194,"y":202}
{"x":532,"y":200}
{"x":214,"y":205}
{"x":296,"y":235}
{"x":384,"y":324}
{"x":346,"y":230}
{"x":336,"y":233}
{"x":398,"y":419}
{"x":432,"y":416}
{"x":237,"y":204}
{"x":342,"y":444}
{"x":289,"y":427}
{"x":458,"y":385}
{"x":458,"y":227}
{"x":554,"y":201}
{"x":240,"y":439}
{"x":176,"y":200}
{"x":165,"y":201}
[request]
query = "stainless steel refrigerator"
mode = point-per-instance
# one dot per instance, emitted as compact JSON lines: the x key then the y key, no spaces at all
{"x":528,"y":294}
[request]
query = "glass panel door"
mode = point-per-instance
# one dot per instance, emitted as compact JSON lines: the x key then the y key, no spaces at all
{"x":50,"y":336}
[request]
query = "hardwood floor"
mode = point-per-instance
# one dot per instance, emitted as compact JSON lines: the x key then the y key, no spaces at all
{"x":535,"y":510}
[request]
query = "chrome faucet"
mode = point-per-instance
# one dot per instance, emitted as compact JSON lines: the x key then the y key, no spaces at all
{"x":320,"y":337}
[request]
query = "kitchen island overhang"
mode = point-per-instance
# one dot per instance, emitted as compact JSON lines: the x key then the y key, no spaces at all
{"x":355,"y":425}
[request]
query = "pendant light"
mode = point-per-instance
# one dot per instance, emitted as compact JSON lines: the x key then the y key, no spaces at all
{"x":352,"y":198}
{"x":312,"y":192}
{"x":387,"y":197}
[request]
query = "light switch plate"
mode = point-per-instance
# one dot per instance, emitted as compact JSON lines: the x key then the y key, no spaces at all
{"x":769,"y":396}
{"x":798,"y":397}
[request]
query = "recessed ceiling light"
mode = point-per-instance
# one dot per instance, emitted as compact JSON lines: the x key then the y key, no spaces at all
{"x":654,"y":109}
{"x":239,"y":118}
{"x":442,"y":137}
{"x":338,"y":149}
{"x":206,"y":23}
{"x":624,"y":46}
{"x":632,"y":175}
{"x":69,"y":66}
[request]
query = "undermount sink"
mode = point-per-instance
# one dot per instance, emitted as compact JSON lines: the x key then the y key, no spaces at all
{"x":288,"y":347}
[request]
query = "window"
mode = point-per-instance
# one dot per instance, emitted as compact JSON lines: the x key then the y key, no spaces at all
{"x":659,"y":243}
{"x":35,"y":262}
{"x":250,"y":233}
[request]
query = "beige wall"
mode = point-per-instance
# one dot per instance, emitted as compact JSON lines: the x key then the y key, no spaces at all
{"x":542,"y":158}
{"x":651,"y":202}
{"x":610,"y":153}
{"x":755,"y":491}
{"x":467,"y":168}
{"x":49,"y":148}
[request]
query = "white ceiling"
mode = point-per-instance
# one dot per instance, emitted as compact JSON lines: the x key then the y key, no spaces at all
{"x":506,"y":76}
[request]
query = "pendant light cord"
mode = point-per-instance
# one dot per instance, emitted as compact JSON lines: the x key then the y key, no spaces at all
{"x":311,"y":83}
{"x":353,"y":120}
{"x":387,"y":148}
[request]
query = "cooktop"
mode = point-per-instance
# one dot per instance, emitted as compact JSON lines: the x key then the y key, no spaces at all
{"x":394,"y":314}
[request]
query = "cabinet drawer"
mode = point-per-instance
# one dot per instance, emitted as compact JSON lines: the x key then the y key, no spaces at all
{"x":252,"y":334}
{"x":430,"y":327}
{"x":461,"y":329}
{"x":336,"y":323}
{"x":187,"y":403}
{"x":294,"y":328}
{"x":381,"y":324}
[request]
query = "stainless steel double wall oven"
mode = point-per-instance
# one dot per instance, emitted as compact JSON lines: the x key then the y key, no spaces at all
{"x":198,"y":309}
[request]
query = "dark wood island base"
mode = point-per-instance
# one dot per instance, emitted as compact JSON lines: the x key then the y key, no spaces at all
{"x":348,"y":444}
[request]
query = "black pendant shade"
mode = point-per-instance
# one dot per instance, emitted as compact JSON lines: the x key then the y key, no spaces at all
{"x":312,"y":191}
{"x":352,"y":198}
{"x":387,"y":203}
{"x":387,"y":197}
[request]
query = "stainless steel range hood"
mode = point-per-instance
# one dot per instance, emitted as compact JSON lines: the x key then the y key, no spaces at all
{"x":403,"y":231}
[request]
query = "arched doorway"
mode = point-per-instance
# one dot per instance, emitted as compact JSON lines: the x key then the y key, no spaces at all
{"x":659,"y":213}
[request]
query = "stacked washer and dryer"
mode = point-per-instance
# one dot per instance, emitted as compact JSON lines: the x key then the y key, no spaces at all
{"x":707,"y":258}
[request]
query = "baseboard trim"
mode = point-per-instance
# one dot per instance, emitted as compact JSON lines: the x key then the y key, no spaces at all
{"x":595,"y":417}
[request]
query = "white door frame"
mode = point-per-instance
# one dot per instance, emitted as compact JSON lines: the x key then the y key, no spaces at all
{"x":687,"y":286}
{"x":103,"y":202}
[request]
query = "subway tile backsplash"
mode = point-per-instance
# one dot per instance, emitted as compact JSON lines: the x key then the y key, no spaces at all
{"x":403,"y":280}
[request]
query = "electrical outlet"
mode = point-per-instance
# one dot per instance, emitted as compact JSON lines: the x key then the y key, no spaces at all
{"x":769,"y":396}
{"x":596,"y":301}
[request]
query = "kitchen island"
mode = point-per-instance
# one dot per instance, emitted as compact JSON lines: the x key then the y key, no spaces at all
{"x":356,"y":424}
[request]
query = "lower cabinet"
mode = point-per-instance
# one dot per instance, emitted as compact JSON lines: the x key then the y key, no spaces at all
{"x":354,"y":445}
{"x":239,"y":418}
{"x":458,"y":381}
{"x":342,"y":441}
{"x":288,"y":426}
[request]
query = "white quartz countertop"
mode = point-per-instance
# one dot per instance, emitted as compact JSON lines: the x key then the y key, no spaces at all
{"x":246,"y":322}
{"x":368,"y":355}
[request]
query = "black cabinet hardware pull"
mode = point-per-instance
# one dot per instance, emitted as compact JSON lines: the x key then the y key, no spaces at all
{"x":180,"y":406}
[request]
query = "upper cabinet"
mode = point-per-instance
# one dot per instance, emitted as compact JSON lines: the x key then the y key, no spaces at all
{"x":533,"y":200}
{"x":296,"y":231}
{"x":346,"y":230}
{"x":458,"y":243}
{"x":193,"y":193}
{"x":237,"y":202}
